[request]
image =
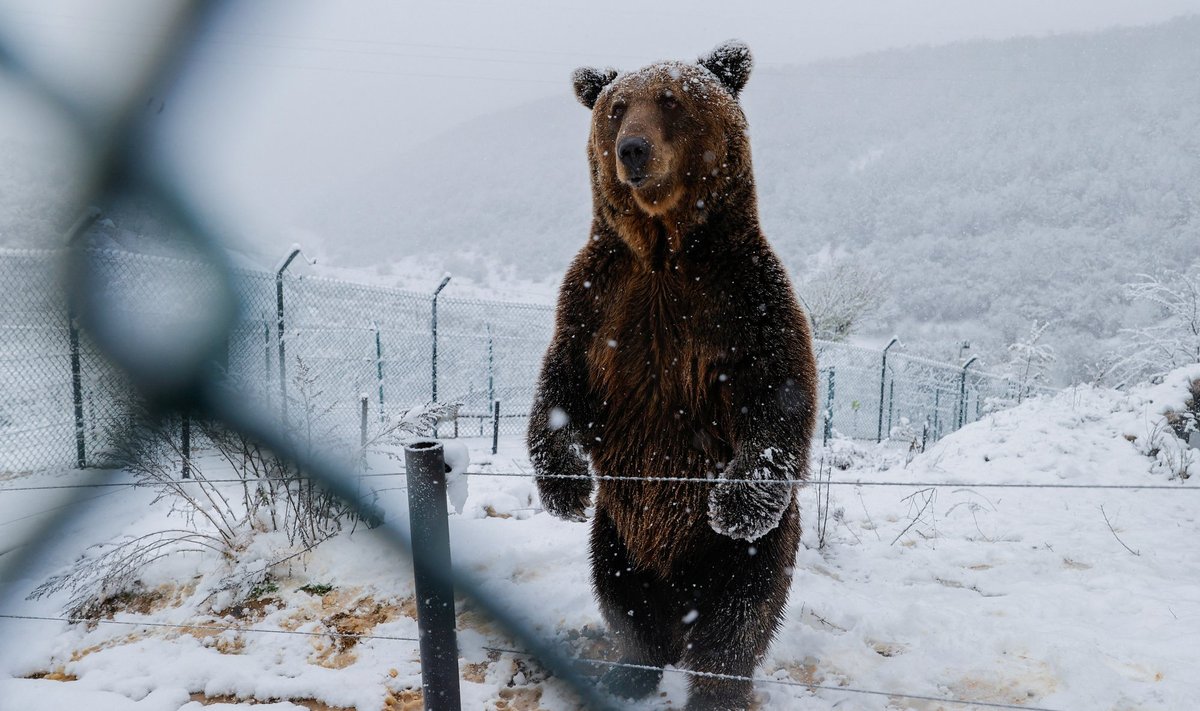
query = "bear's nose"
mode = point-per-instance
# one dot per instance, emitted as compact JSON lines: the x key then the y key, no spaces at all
{"x":634,"y":152}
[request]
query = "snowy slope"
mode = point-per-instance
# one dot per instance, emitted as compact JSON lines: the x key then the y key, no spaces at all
{"x":1033,"y":597}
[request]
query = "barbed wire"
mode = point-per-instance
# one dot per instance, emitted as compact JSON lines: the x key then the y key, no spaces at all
{"x":209,"y":627}
{"x":648,"y":479}
{"x":504,"y":650}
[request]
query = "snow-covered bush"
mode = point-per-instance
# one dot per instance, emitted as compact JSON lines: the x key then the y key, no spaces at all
{"x":1172,"y":339}
{"x":1166,"y":440}
{"x":1029,"y":358}
{"x":236,"y":491}
{"x":841,"y":297}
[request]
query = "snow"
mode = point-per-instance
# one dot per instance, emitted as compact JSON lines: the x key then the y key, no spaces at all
{"x":1020,"y":596}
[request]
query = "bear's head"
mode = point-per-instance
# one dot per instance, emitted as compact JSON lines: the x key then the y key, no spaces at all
{"x":668,"y":141}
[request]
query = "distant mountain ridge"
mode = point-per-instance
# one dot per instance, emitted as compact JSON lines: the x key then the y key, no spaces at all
{"x":993,"y":182}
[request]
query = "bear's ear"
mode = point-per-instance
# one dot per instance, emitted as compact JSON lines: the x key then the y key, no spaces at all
{"x":589,"y":82}
{"x":731,"y":63}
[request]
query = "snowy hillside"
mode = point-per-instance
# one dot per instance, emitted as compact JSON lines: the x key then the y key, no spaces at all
{"x":1063,"y":166}
{"x":1051,"y":598}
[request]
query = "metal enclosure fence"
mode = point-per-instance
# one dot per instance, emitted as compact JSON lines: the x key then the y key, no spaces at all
{"x":309,"y":345}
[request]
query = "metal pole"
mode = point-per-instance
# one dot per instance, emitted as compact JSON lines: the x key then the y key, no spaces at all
{"x":77,"y":392}
{"x":962,"y":392}
{"x":379,"y":367}
{"x":362,"y":424}
{"x":829,"y":408}
{"x":425,"y":465}
{"x":882,"y":380}
{"x":438,"y":290}
{"x":937,"y":411}
{"x":267,"y":360}
{"x":891,"y":404}
{"x":495,"y":426}
{"x":491,"y":366}
{"x":185,"y":445}
{"x":283,"y":265}
{"x":77,"y":230}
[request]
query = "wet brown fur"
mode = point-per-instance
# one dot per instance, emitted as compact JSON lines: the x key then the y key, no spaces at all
{"x":677,"y":337}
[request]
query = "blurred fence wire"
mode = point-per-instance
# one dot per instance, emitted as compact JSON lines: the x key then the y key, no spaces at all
{"x":61,"y":400}
{"x":88,"y":334}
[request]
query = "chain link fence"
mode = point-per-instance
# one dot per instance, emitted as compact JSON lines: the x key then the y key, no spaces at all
{"x":316,"y":348}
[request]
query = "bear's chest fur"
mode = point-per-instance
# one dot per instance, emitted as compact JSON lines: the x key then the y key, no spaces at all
{"x":660,"y":367}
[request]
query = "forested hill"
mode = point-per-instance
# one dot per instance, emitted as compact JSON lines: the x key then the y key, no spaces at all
{"x":992,"y":182}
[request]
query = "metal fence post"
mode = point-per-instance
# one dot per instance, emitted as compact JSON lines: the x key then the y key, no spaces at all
{"x":891,"y":404}
{"x":829,"y":408}
{"x":937,"y":412}
{"x":379,"y":366}
{"x":74,"y":234}
{"x":267,"y":361}
{"x":882,"y":380}
{"x":283,"y":265}
{"x":185,"y":445}
{"x":491,"y":366}
{"x":962,"y":393}
{"x":495,"y":426}
{"x":433,"y":329}
{"x":77,"y":392}
{"x":362,"y":423}
{"x":426,"y":469}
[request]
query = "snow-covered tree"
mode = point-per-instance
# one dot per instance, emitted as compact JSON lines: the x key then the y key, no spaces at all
{"x":840,"y":296}
{"x":1029,"y":358}
{"x":1173,"y":339}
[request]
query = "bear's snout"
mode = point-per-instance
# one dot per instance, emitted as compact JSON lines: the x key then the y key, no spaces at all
{"x":634,"y":153}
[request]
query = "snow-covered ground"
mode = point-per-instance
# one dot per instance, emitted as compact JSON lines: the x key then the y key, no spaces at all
{"x":1050,"y":598}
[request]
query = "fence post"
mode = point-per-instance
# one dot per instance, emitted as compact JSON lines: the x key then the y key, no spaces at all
{"x":891,"y":404}
{"x":495,"y":426}
{"x":962,"y":393}
{"x":74,"y":234}
{"x":491,"y":366}
{"x":829,"y":408}
{"x":77,"y":391}
{"x":433,"y":329}
{"x":362,"y":424}
{"x":882,"y":380}
{"x":379,"y":366}
{"x":426,"y":469}
{"x":283,"y":265}
{"x":937,"y":412}
{"x":185,"y":445}
{"x":267,"y":361}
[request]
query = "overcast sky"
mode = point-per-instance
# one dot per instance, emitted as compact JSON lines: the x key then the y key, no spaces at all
{"x":290,"y":89}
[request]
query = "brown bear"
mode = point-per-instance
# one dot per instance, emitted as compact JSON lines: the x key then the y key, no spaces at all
{"x":679,"y":351}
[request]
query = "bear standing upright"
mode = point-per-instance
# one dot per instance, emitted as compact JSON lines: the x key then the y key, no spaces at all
{"x":679,"y":351}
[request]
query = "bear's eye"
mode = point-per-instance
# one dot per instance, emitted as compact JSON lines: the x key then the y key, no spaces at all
{"x":669,"y":102}
{"x":617,"y":110}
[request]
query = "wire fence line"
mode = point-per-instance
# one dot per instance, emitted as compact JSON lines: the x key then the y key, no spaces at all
{"x":358,"y":637}
{"x":648,"y":479}
{"x":381,"y":348}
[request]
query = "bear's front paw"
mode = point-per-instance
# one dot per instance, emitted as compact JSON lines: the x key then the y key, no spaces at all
{"x":747,"y":510}
{"x":567,"y":499}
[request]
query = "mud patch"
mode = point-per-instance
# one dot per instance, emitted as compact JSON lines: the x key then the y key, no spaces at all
{"x":142,"y":600}
{"x":526,"y":698}
{"x":404,"y":700}
{"x":310,"y":704}
{"x":58,"y":674}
